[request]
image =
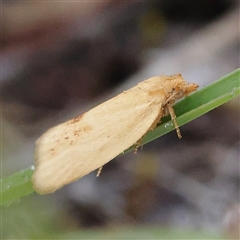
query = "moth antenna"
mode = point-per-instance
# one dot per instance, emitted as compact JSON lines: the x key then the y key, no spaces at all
{"x":173,"y":117}
{"x":99,"y":171}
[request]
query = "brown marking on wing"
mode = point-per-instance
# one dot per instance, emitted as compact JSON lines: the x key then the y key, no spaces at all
{"x":52,"y":150}
{"x":75,"y":120}
{"x":83,"y":129}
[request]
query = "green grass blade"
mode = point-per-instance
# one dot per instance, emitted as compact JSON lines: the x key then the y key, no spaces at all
{"x":193,"y":106}
{"x":16,"y":186}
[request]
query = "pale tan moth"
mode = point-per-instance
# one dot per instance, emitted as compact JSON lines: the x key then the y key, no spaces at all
{"x":85,"y":143}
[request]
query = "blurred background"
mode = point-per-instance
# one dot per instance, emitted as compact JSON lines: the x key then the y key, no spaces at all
{"x":59,"y":59}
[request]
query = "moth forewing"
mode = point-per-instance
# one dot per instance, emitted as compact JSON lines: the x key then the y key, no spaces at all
{"x":73,"y":149}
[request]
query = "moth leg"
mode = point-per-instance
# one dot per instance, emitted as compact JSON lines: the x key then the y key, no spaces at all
{"x":173,"y":117}
{"x":138,"y":144}
{"x":99,"y":171}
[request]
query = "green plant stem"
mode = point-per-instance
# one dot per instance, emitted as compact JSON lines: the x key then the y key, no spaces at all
{"x":16,"y":186}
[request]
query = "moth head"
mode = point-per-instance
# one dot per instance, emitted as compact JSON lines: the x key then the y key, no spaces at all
{"x":178,"y":88}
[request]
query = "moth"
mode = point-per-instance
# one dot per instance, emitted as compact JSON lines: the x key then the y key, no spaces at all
{"x":85,"y":143}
